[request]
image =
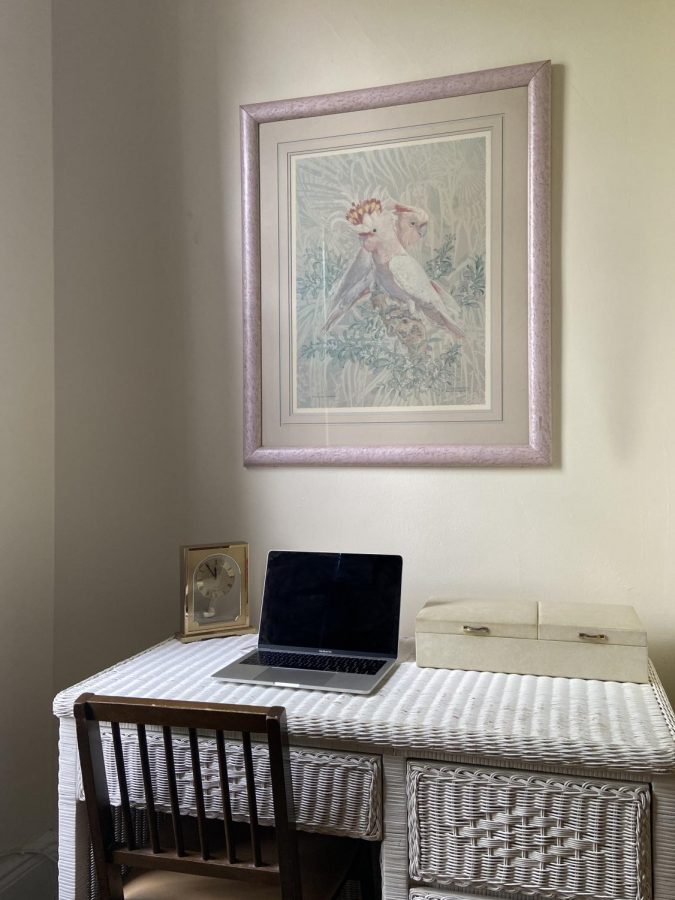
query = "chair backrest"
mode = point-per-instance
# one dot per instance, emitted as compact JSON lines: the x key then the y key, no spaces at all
{"x":109,"y":855}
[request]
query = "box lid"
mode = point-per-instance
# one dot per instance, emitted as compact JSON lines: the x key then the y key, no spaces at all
{"x":479,"y":618}
{"x":600,"y":623}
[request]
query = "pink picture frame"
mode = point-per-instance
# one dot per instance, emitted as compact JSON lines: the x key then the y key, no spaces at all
{"x":382,"y":372}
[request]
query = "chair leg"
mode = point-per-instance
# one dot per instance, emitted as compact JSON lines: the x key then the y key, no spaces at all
{"x":365,"y":871}
{"x":371,"y":873}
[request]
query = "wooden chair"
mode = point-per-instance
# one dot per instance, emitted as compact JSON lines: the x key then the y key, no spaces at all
{"x":304,"y":866}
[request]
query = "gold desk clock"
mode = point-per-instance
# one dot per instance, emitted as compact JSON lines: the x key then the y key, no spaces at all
{"x":214,"y":591}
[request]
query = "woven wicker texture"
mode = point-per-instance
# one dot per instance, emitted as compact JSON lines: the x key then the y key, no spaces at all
{"x":663,"y":837}
{"x":334,"y":793}
{"x":515,"y":832}
{"x":425,"y":894}
{"x":551,"y":720}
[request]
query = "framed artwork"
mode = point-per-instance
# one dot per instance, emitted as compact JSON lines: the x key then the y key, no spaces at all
{"x":396,"y":274}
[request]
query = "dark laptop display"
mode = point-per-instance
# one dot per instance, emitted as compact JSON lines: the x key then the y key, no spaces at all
{"x":329,"y":621}
{"x":337,"y":602}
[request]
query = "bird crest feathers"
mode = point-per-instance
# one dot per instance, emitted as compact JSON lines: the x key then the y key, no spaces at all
{"x":363,"y":208}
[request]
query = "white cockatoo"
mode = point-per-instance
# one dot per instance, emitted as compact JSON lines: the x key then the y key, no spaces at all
{"x":411,"y":223}
{"x":393,"y":270}
{"x":359,"y":280}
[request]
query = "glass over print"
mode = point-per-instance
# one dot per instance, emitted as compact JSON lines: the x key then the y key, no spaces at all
{"x":389,"y":301}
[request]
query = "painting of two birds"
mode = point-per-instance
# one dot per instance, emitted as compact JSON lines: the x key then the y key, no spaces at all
{"x":390,"y":299}
{"x":396,"y":273}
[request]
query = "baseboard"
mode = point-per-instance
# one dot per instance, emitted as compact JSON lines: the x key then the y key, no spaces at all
{"x":29,"y":872}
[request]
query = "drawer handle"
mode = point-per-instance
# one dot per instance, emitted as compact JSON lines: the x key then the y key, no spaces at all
{"x":475,"y":629}
{"x":592,"y":637}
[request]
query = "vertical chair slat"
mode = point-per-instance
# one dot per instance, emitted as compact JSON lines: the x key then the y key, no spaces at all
{"x":282,"y":799}
{"x":230,"y":845}
{"x":173,"y":791}
{"x":97,"y":800}
{"x":252,"y":802}
{"x":147,"y":787}
{"x":124,"y":788}
{"x":199,"y":792}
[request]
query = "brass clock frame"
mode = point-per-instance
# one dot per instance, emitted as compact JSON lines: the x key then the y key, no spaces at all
{"x":194,"y":626}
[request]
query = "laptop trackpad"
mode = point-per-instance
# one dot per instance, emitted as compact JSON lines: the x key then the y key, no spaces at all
{"x":294,"y":676}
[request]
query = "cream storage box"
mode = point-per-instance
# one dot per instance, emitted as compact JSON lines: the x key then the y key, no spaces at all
{"x":573,"y":640}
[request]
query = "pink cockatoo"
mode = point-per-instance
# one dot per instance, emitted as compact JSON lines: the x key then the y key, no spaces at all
{"x":394,"y":271}
{"x":411,"y":224}
{"x":359,"y":280}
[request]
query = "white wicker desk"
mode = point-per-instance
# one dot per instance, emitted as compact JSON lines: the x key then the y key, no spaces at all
{"x":584,"y":729}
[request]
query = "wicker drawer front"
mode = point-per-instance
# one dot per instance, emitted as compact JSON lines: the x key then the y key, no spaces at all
{"x":334,"y":792}
{"x":512,"y":832}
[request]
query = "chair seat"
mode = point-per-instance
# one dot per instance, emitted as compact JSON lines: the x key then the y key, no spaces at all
{"x":324,"y":863}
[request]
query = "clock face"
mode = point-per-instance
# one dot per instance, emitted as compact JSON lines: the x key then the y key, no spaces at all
{"x":214,"y":577}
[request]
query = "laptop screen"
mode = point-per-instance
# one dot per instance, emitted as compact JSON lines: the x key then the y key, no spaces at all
{"x":340,"y":602}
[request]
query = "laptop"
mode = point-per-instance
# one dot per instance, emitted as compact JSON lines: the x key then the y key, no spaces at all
{"x":329,"y":622}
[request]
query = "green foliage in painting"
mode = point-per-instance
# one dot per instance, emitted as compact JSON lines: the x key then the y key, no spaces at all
{"x":320,"y":269}
{"x":442,"y":262}
{"x":366,"y":341}
{"x":471,"y":289}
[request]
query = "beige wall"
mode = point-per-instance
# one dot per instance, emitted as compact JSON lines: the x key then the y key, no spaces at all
{"x":148,"y":308}
{"x":27,"y":414}
{"x":125,"y":308}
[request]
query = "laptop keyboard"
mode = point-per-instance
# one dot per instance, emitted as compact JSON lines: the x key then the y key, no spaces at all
{"x":349,"y":664}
